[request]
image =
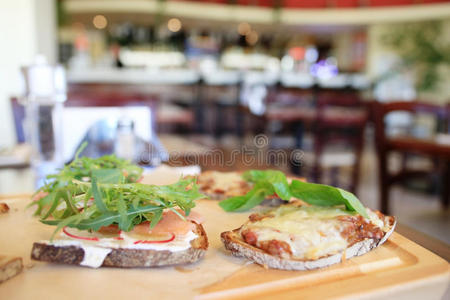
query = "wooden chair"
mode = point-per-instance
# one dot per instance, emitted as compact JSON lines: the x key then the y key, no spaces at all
{"x":409,"y":145}
{"x":341,"y":118}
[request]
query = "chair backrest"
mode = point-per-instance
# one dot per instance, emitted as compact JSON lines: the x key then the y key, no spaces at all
{"x":380,"y":110}
{"x":290,"y":96}
{"x":341,"y":109}
{"x":341,"y":98}
{"x":97,"y":96}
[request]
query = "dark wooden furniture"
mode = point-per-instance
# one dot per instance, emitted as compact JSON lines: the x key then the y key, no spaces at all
{"x":156,"y":96}
{"x":220,"y":109}
{"x":431,"y":148}
{"x":332,"y":116}
{"x":340,"y":118}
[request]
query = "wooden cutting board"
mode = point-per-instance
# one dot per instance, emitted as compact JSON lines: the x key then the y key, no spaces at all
{"x":398,"y":268}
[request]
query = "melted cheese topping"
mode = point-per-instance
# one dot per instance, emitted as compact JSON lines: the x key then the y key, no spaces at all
{"x":226,"y":180}
{"x":373,"y":217}
{"x":231,"y":183}
{"x":310,"y":231}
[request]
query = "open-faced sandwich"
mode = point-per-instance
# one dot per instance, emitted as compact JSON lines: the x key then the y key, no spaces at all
{"x":328,"y":226}
{"x":104,"y":217}
{"x":223,"y":185}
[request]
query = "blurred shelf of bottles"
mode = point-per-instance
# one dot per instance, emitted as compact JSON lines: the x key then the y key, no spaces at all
{"x":105,"y":42}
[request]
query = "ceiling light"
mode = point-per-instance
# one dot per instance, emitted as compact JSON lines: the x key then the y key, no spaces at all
{"x":252,"y":38}
{"x":244,"y":28}
{"x":174,"y":25}
{"x":100,"y":21}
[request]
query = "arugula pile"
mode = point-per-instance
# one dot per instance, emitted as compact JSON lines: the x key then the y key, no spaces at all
{"x":117,"y":197}
{"x":270,"y":182}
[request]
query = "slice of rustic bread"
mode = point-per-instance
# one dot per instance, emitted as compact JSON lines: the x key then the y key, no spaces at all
{"x":238,"y":247}
{"x":123,"y":257}
{"x":9,"y":267}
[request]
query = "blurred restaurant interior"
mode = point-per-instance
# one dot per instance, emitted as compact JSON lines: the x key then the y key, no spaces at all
{"x":350,"y":93}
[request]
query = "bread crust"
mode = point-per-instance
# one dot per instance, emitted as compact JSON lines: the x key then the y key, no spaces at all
{"x":123,"y":257}
{"x":238,"y":247}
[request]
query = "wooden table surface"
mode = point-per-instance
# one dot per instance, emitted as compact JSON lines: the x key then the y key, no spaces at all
{"x":382,"y":266}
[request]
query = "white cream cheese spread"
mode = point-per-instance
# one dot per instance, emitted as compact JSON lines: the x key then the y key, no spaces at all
{"x":95,"y":252}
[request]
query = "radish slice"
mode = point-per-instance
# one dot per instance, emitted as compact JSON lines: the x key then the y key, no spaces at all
{"x":156,"y":242}
{"x":79,"y":237}
{"x":119,"y":238}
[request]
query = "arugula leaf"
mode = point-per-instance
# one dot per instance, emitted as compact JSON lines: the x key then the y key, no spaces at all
{"x":108,"y":175}
{"x":53,"y":207}
{"x":124,"y":222}
{"x":108,"y":168}
{"x":268,"y":182}
{"x":60,"y":225}
{"x":117,"y":197}
{"x":98,"y":196}
{"x":76,"y":221}
{"x":126,"y":204}
{"x":157,"y":215}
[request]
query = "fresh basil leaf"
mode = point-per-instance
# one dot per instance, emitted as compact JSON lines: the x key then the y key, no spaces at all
{"x":233,"y":203}
{"x":268,"y":182}
{"x":275,"y":178}
{"x":254,"y":197}
{"x":352,"y":203}
{"x":325,"y":195}
{"x":316,"y":194}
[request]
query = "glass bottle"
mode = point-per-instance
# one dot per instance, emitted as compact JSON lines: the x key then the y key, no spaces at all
{"x":45,"y":93}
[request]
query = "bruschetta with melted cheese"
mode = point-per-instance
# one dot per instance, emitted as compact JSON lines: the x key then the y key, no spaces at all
{"x":222,"y":185}
{"x":301,"y":237}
